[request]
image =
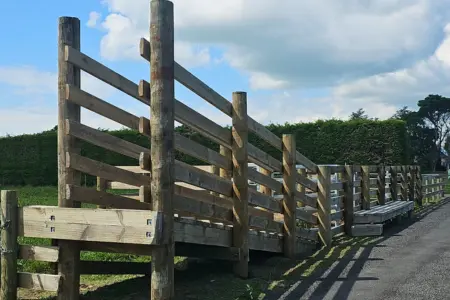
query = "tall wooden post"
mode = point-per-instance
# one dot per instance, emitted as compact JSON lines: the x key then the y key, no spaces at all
{"x":240,"y":181}
{"x":324,"y":204}
{"x":404,"y":183}
{"x":102,"y":185}
{"x":411,"y":177}
{"x":69,"y":253}
{"x":381,"y":185}
{"x":418,"y":186}
{"x":289,"y":205}
{"x":348,"y":199}
{"x":162,"y":122}
{"x":365,"y":187}
{"x":393,"y":186}
{"x":8,"y":220}
{"x":226,"y":173}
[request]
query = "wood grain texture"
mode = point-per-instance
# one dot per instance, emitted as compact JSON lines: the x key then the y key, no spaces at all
{"x":289,"y":191}
{"x":8,"y":241}
{"x":381,"y":185}
{"x":394,"y":180}
{"x":39,"y":253}
{"x":324,"y":205}
{"x":240,"y":180}
{"x":40,"y":282}
{"x":365,"y":187}
{"x":348,"y":177}
{"x":68,"y":74}
{"x":162,"y":112}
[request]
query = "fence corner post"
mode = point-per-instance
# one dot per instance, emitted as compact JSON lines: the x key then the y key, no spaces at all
{"x":162,"y":150}
{"x":289,"y":188}
{"x":324,"y":205}
{"x":381,"y":185}
{"x":348,"y":199}
{"x":9,"y":223}
{"x":239,"y":149}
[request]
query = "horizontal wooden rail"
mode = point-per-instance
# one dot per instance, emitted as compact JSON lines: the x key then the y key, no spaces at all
{"x":86,"y":224}
{"x":40,"y":282}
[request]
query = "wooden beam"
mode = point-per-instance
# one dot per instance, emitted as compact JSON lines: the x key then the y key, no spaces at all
{"x":89,"y":195}
{"x":265,"y":180}
{"x":394,"y":180}
{"x":39,"y":253}
{"x":259,"y":199}
{"x":40,"y":282}
{"x":108,"y":172}
{"x":306,"y":182}
{"x":240,"y":181}
{"x":8,"y":241}
{"x":289,"y":191}
{"x":306,"y":214}
{"x":324,"y":205}
{"x":365,"y":187}
{"x":162,"y":112}
{"x":68,"y":74}
{"x":349,"y":199}
{"x":301,"y":159}
{"x":261,"y":158}
{"x":91,"y":224}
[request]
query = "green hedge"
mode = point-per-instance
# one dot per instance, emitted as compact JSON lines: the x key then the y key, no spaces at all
{"x":31,"y":159}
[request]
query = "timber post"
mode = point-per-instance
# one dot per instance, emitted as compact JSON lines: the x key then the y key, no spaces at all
{"x":68,"y":74}
{"x":289,"y":191}
{"x":381,"y":185}
{"x":9,"y":246}
{"x":348,"y":199}
{"x":162,"y":124}
{"x":239,"y":151}
{"x":393,"y":185}
{"x":324,"y":205}
{"x":365,"y":187}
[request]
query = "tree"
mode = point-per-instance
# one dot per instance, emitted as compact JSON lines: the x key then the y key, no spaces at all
{"x":360,"y":114}
{"x":421,"y":137}
{"x":435,"y":111}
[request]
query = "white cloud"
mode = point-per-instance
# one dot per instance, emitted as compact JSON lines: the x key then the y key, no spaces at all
{"x":93,"y":19}
{"x":301,"y":43}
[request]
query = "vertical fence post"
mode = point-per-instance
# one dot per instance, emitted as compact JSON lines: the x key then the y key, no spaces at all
{"x":226,"y":173}
{"x":162,"y":142}
{"x":403,"y":183}
{"x":69,"y":257}
{"x":216,"y":171}
{"x":240,"y":181}
{"x":381,"y":185}
{"x":324,"y":204}
{"x":348,"y":199}
{"x":365,"y":187}
{"x":411,"y":177}
{"x":302,"y":190}
{"x":102,"y":185}
{"x":393,"y":185}
{"x":418,"y":186}
{"x":8,"y":221}
{"x":289,"y":187}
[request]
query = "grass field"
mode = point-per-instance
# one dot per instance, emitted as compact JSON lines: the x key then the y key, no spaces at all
{"x":197,"y":279}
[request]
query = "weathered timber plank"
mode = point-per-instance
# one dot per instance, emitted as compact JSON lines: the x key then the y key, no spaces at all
{"x":201,"y":209}
{"x":265,"y":180}
{"x":306,"y":182}
{"x":103,"y":139}
{"x":337,"y":230}
{"x":86,"y":224}
{"x":259,"y":199}
{"x":76,"y":95}
{"x":89,"y":195}
{"x":191,"y":82}
{"x":306,"y":214}
{"x":8,"y":242}
{"x":39,"y":253}
{"x":105,"y":171}
{"x":367,"y":230}
{"x":192,"y":175}
{"x":186,"y":115}
{"x":307,"y":199}
{"x":265,"y":224}
{"x":261,"y":158}
{"x":309,"y":234}
{"x":41,"y":282}
{"x":101,"y":72}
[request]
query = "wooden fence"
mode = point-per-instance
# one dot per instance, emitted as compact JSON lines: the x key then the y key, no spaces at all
{"x":176,"y":208}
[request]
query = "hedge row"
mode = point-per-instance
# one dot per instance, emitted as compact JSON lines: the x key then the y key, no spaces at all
{"x":31,"y":159}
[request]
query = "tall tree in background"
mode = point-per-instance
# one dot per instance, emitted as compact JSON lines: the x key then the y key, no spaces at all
{"x":360,"y":114}
{"x":435,"y":111}
{"x":421,"y":137}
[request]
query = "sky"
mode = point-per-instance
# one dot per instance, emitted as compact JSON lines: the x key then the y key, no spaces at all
{"x":298,"y":60}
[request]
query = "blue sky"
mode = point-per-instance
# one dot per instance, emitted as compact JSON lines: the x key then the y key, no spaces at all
{"x":298,"y":63}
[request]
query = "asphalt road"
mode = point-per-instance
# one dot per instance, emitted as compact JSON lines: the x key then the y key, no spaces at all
{"x":411,"y":261}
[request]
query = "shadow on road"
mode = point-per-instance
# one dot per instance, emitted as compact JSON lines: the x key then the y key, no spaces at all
{"x":274,"y":278}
